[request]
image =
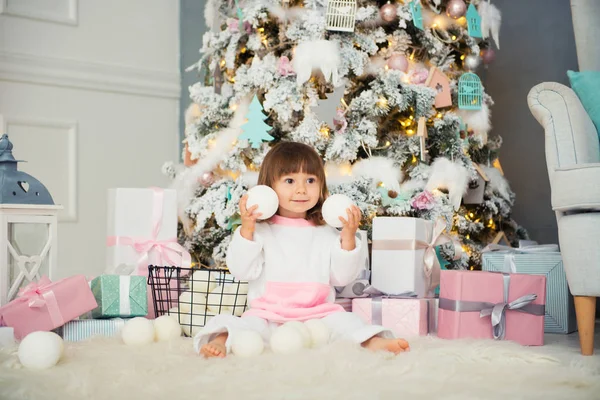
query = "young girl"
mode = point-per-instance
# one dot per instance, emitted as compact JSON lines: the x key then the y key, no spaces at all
{"x":293,"y":261}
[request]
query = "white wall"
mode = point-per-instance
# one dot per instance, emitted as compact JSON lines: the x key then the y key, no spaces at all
{"x":89,"y":94}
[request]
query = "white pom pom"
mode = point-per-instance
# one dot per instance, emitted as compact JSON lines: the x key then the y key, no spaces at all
{"x":334,"y":207}
{"x":247,"y":344}
{"x":173,"y":311}
{"x":228,"y":299}
{"x":319,"y":332}
{"x":201,"y":281}
{"x":286,"y":340}
{"x":188,"y":299}
{"x":166,"y":327}
{"x":193,"y":320}
{"x":266,"y":198}
{"x":138,"y":331}
{"x":40,"y":350}
{"x":299,"y":326}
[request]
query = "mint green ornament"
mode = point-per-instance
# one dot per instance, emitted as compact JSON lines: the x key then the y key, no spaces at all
{"x":473,"y":22}
{"x":470,"y":92}
{"x":255,"y":129}
{"x":417,"y":13}
{"x":388,"y":201}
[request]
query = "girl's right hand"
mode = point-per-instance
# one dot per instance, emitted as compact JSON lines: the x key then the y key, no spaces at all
{"x":248,"y":217}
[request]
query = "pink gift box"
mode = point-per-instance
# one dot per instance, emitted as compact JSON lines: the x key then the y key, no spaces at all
{"x":404,"y":317}
{"x":465,"y":289}
{"x":46,"y":305}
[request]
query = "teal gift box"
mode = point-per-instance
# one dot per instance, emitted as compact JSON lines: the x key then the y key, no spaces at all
{"x":560,"y":309}
{"x":82,"y":329}
{"x":120,"y":296}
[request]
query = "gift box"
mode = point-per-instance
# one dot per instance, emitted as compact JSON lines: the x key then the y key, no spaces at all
{"x":405,"y":317}
{"x":120,"y":296}
{"x":45,"y":305}
{"x":404,"y":261}
{"x":486,"y":305}
{"x":77,"y":330}
{"x":356,"y":287}
{"x":560,"y":309}
{"x":345,"y":303}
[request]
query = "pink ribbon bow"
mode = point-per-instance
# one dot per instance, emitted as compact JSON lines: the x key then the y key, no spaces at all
{"x":40,"y":294}
{"x":169,"y":252}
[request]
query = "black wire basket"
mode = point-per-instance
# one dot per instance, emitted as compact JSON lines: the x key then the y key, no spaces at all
{"x":195,"y":295}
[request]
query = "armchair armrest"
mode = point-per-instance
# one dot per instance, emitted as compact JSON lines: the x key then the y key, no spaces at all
{"x":576,"y":187}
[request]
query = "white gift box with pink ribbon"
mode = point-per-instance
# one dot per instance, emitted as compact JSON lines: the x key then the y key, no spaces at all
{"x":142,"y":231}
{"x":404,"y":261}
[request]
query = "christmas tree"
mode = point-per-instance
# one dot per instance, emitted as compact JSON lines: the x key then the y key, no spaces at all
{"x":410,"y":135}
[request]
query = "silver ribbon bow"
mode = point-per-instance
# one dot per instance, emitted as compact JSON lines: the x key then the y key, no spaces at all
{"x":510,"y":265}
{"x":498,"y":313}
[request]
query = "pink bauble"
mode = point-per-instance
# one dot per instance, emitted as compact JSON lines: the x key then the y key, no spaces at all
{"x":456,"y":9}
{"x":207,"y":178}
{"x":488,"y":56}
{"x":388,"y":12}
{"x":398,"y":62}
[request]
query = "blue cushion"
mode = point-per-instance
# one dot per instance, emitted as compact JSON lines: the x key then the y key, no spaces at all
{"x":586,"y":84}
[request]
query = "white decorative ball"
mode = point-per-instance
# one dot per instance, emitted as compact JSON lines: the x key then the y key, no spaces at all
{"x":201,"y":282}
{"x":286,"y":340}
{"x":166,"y":327}
{"x":174,"y":312}
{"x":229,"y":298}
{"x":266,"y":198}
{"x":188,"y":299}
{"x":472,"y":62}
{"x":299,"y":326}
{"x":334,"y":207}
{"x":40,"y":350}
{"x":247,"y":344}
{"x":192,"y":321}
{"x":319,"y":332}
{"x":138,"y":331}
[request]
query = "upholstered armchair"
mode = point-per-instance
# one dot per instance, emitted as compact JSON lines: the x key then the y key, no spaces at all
{"x":573,"y":160}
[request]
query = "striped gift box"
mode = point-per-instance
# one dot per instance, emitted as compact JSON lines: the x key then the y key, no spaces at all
{"x":82,"y":329}
{"x":345,"y":303}
{"x":560,"y":309}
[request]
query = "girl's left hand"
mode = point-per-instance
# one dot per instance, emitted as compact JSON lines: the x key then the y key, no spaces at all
{"x":350,"y":226}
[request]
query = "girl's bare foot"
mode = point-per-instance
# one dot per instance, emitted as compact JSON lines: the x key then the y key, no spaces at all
{"x":216,"y":347}
{"x":395,"y":346}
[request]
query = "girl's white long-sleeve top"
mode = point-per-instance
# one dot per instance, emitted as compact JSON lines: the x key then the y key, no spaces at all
{"x":292,"y":250}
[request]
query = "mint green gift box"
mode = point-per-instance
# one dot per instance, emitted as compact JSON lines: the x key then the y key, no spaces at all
{"x":120,"y":296}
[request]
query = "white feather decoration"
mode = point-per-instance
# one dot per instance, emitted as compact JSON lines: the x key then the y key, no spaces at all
{"x":317,"y":54}
{"x":250,"y":178}
{"x":192,"y":113}
{"x":211,"y":15}
{"x":379,"y":169}
{"x":498,"y":183}
{"x":477,"y":120}
{"x":449,"y":175}
{"x":186,"y":180}
{"x":285,"y":14}
{"x":491,"y":18}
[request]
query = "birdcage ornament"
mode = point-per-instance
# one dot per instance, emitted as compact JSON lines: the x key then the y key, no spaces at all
{"x":341,"y":15}
{"x":470,"y":92}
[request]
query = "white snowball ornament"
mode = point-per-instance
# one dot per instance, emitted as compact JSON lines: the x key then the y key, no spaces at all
{"x":265,"y":198}
{"x":201,"y":282}
{"x":189,"y":299}
{"x":334,"y":207}
{"x":166,"y":327}
{"x":247,"y":344}
{"x":286,"y":340}
{"x":228,"y":299}
{"x":193,"y":320}
{"x":138,"y":331}
{"x":299,"y":326}
{"x":40,"y":350}
{"x":319,"y":332}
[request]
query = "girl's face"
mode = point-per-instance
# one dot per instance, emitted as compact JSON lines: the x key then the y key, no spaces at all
{"x":297,"y":192}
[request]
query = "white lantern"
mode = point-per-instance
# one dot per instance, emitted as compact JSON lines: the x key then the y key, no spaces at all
{"x":28,"y":227}
{"x":341,"y":15}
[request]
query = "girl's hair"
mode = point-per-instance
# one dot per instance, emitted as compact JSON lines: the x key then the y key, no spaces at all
{"x":292,"y":157}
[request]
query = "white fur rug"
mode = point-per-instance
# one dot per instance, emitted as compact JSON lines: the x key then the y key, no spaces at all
{"x":107,"y":369}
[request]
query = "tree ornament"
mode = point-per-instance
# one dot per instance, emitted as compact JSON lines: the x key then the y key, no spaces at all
{"x":456,"y":9}
{"x":417,"y":13}
{"x":472,"y":62}
{"x":439,"y":81}
{"x":341,"y":15}
{"x":207,"y":178}
{"x":398,"y":62}
{"x":422,"y":134}
{"x":473,"y":22}
{"x":470,"y":92}
{"x":255,"y":129}
{"x":388,"y":12}
{"x":488,"y":56}
{"x":476,"y":188}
